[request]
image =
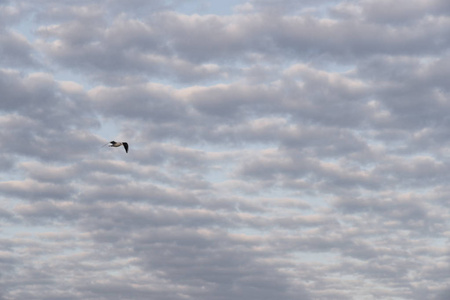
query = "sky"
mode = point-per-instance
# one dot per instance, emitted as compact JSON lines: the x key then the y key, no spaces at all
{"x":279,"y":149}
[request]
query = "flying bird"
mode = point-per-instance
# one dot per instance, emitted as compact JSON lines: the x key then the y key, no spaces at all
{"x":118,"y":144}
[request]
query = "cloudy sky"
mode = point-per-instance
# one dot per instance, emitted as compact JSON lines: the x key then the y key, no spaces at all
{"x":279,"y":149}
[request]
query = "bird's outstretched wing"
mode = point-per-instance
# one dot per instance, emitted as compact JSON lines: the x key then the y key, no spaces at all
{"x":125,"y":145}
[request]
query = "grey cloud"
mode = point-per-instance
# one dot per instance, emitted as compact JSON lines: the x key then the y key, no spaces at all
{"x":152,"y":102}
{"x":40,"y":116}
{"x":285,"y":6}
{"x":34,"y":190}
{"x":11,"y":14}
{"x":45,"y":173}
{"x":130,"y":44}
{"x":408,"y":212}
{"x":214,"y":39}
{"x":6,"y":163}
{"x":5,"y":214}
{"x":241,"y":284}
{"x":189,"y":260}
{"x":286,"y":150}
{"x":383,"y":11}
{"x":15,"y":50}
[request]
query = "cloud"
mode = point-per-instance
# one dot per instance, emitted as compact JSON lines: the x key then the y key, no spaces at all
{"x":15,"y":50}
{"x":278,"y":150}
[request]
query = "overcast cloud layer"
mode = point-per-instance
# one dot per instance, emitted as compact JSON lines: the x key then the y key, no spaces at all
{"x":278,"y":149}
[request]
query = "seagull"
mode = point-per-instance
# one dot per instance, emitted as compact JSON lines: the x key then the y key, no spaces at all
{"x":118,"y":144}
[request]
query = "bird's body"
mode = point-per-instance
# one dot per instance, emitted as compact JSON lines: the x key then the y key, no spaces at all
{"x":118,"y":144}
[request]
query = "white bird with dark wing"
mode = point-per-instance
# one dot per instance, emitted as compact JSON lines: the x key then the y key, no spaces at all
{"x":118,"y":144}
